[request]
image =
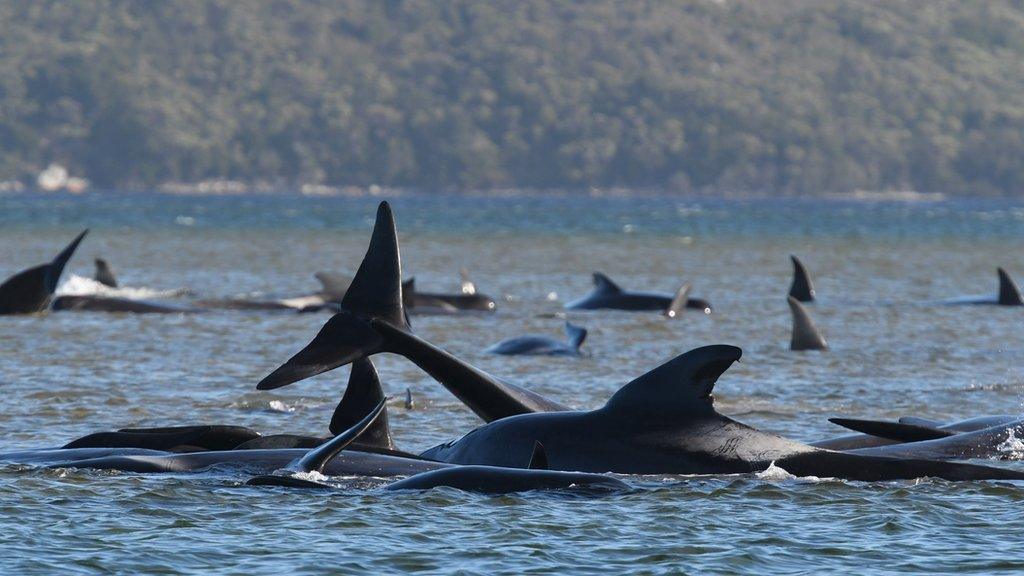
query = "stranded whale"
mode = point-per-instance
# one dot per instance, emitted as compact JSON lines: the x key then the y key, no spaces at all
{"x":608,"y":295}
{"x":542,"y":345}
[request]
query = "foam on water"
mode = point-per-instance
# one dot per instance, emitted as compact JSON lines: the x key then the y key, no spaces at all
{"x":76,"y":285}
{"x":1012,"y":448}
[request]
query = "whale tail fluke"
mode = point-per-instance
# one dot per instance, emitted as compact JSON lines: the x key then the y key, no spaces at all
{"x":1009,"y":293}
{"x":362,"y":394}
{"x":805,"y":334}
{"x":375,"y":294}
{"x":104,"y":275}
{"x":896,"y":431}
{"x":31,"y":290}
{"x":679,"y":302}
{"x":575,"y":334}
{"x":802,"y":289}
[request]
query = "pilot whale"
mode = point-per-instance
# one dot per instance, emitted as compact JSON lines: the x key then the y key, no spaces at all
{"x":332,"y":289}
{"x":30,"y":291}
{"x":664,"y":422}
{"x":805,"y":335}
{"x":469,"y":300}
{"x":801,"y":289}
{"x":104,"y":275}
{"x":542,"y":345}
{"x":1009,"y":294}
{"x":608,"y":295}
{"x":98,"y":303}
{"x":486,"y":479}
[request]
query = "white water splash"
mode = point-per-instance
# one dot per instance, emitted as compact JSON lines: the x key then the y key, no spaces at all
{"x":1012,"y":448}
{"x":775,"y":473}
{"x":312,"y":476}
{"x":77,"y":285}
{"x":279,"y":406}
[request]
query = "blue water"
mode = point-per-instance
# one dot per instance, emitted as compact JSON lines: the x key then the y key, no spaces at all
{"x":879,"y":268}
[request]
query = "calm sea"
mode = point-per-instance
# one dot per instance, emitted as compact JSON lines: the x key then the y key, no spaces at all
{"x":879,"y":268}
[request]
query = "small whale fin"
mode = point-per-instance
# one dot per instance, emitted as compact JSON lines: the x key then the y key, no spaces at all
{"x":317,"y":458}
{"x":805,"y":334}
{"x":30,"y":291}
{"x":802,"y":289}
{"x":604,"y":284}
{"x":1009,"y":293}
{"x":468,"y":287}
{"x":679,"y":302}
{"x":539,"y":459}
{"x":681,"y":386}
{"x":104,"y":275}
{"x":575,"y":334}
{"x":333,"y":285}
{"x":892,"y":430}
{"x":375,"y":294}
{"x":409,"y":403}
{"x":361,"y":395}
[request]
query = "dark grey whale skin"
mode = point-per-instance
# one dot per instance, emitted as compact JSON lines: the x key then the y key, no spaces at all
{"x":665,"y":423}
{"x":855,"y":441}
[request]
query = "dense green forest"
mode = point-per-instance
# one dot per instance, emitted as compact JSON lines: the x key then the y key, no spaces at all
{"x":781,"y":96}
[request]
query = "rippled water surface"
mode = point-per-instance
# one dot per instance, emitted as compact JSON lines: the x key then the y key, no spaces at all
{"x":879,"y":270}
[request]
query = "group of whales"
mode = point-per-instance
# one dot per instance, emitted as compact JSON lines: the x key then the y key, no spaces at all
{"x":663,"y":422}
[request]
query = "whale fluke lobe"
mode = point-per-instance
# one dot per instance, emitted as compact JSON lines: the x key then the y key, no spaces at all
{"x":317,"y":458}
{"x":374,"y":294}
{"x":899,"y":432}
{"x":802,"y":289}
{"x":539,"y":459}
{"x":333,"y":286}
{"x":805,"y":334}
{"x":104,"y":275}
{"x":682,"y":385}
{"x":575,"y":334}
{"x":1009,"y":293}
{"x":604,"y":284}
{"x":30,"y":291}
{"x":679,"y":302}
{"x":362,"y":394}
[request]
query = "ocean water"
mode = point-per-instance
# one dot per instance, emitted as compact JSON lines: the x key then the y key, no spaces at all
{"x":880,"y":270}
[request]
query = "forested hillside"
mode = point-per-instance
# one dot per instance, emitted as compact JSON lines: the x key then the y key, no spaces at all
{"x":783,"y":96}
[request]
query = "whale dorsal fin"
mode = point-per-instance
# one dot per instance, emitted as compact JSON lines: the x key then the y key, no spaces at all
{"x":575,"y":334}
{"x":805,"y":334}
{"x":604,"y":284}
{"x":104,"y":275}
{"x":361,"y":395}
{"x":30,"y":290}
{"x":539,"y":459}
{"x":333,"y":285}
{"x":802,"y":289}
{"x":678,"y":303}
{"x":468,"y":287}
{"x":1009,"y":294}
{"x":892,"y":430}
{"x":317,"y":458}
{"x":681,"y":386}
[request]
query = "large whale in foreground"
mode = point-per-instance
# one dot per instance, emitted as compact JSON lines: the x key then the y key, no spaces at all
{"x":30,"y":291}
{"x":663,"y":422}
{"x":608,"y":295}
